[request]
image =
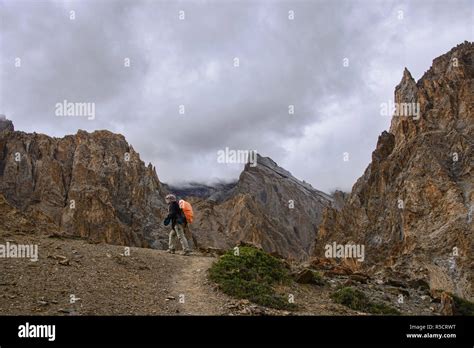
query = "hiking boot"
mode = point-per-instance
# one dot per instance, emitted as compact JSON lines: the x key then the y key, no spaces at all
{"x":171,"y":251}
{"x":186,"y":252}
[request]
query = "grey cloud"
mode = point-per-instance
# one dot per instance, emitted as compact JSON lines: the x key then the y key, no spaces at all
{"x":190,"y":62}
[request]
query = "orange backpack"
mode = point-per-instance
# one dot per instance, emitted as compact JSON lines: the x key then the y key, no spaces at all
{"x":187,"y":210}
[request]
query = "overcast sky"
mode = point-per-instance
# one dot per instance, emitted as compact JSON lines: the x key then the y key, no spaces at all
{"x":190,"y":61}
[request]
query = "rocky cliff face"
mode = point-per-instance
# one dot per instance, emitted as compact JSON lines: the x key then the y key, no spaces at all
{"x":267,"y":207}
{"x":91,"y":185}
{"x":413,"y":207}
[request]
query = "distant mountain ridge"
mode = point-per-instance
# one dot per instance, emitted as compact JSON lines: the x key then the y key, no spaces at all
{"x":267,"y":207}
{"x":195,"y":189}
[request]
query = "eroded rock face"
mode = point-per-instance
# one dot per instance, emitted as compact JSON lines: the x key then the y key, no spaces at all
{"x":91,"y":185}
{"x":267,"y":207}
{"x":13,"y":221}
{"x":413,"y":207}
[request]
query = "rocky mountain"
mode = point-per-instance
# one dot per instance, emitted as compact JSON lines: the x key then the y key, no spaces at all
{"x":91,"y":185}
{"x":267,"y":207}
{"x":94,"y":185}
{"x":412,"y":209}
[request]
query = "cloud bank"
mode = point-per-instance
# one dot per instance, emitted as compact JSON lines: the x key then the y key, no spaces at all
{"x":165,"y":75}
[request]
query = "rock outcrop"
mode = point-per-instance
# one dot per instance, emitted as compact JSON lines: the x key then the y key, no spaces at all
{"x":268,"y":207}
{"x":91,"y":185}
{"x":413,"y":207}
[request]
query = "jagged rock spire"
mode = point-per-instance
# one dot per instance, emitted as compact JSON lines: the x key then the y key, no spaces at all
{"x":5,"y":124}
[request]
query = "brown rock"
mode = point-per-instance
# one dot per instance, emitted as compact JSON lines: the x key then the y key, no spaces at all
{"x":447,"y":304}
{"x":397,"y":283}
{"x":304,"y":276}
{"x":359,"y":278}
{"x":91,"y":185}
{"x":337,"y":271}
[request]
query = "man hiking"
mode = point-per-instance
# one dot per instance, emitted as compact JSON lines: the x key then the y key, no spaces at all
{"x":177,"y":219}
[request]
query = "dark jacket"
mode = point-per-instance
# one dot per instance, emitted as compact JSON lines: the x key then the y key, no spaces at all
{"x":175,"y":214}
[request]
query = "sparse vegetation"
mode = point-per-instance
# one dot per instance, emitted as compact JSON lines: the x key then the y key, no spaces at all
{"x":252,"y":275}
{"x":357,"y":300}
{"x":462,"y":306}
{"x":318,"y":279}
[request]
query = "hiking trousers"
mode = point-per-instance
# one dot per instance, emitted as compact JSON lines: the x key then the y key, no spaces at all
{"x":178,"y":231}
{"x":190,"y":236}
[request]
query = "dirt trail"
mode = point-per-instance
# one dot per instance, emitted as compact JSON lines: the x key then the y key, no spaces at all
{"x":104,"y":280}
{"x":195,"y":294}
{"x":74,"y":277}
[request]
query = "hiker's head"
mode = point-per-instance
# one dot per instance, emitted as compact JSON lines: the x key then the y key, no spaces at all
{"x":170,"y":198}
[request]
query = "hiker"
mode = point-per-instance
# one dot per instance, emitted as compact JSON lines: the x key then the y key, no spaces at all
{"x":177,"y":219}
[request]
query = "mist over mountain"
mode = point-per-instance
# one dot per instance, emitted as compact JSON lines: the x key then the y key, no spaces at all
{"x":333,"y":73}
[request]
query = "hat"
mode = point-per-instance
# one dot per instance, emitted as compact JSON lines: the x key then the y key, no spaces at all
{"x":170,"y":198}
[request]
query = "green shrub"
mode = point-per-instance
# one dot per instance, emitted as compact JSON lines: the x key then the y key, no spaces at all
{"x":357,"y":300}
{"x":318,"y":279}
{"x":382,"y":308}
{"x":252,"y":275}
{"x":351,"y":298}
